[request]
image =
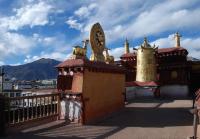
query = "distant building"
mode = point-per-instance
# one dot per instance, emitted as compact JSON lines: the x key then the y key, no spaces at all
{"x":16,"y":88}
{"x":19,"y":85}
{"x":50,"y":83}
{"x":175,"y":75}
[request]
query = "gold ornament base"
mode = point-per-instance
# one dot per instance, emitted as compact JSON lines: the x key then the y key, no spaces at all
{"x":97,"y":57}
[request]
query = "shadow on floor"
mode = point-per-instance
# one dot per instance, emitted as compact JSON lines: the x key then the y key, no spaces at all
{"x":128,"y":117}
{"x":150,"y":117}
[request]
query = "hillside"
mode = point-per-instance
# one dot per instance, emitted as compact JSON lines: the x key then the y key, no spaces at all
{"x":37,"y":70}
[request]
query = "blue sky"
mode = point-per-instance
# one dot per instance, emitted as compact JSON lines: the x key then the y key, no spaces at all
{"x":34,"y":29}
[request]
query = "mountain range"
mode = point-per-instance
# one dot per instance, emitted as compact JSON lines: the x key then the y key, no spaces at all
{"x":37,"y":70}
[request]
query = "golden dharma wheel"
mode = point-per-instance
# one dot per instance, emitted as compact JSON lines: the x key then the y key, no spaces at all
{"x":97,"y":41}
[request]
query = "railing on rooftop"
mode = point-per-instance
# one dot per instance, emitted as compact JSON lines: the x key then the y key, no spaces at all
{"x":27,"y":108}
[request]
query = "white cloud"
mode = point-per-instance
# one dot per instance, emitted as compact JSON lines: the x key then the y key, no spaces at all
{"x":74,"y":24}
{"x":114,"y":32}
{"x":12,"y":44}
{"x":157,"y":21}
{"x":54,"y":55}
{"x":49,"y":40}
{"x":30,"y":15}
{"x":29,"y":59}
{"x":15,"y":64}
{"x":1,"y":63}
{"x":82,"y":13}
{"x":119,"y":51}
{"x":116,"y":52}
{"x":54,"y":43}
{"x":46,"y":41}
{"x":134,"y":19}
{"x":85,"y":11}
{"x":191,"y":44}
{"x":165,"y":42}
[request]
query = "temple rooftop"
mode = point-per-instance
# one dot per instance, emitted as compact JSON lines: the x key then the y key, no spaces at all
{"x":171,"y":50}
{"x":91,"y":65}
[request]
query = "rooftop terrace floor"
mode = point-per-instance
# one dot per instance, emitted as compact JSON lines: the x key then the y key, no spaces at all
{"x":140,"y":119}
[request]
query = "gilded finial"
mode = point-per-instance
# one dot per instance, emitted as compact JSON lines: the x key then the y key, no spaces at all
{"x":177,"y":37}
{"x":126,"y":45}
{"x":145,"y":43}
{"x":108,"y":58}
{"x":126,"y":41}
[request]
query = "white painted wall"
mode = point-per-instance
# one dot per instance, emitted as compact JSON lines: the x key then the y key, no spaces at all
{"x":70,"y":110}
{"x":136,"y":92}
{"x":174,"y":91}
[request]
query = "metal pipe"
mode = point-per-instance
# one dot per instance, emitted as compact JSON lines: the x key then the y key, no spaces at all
{"x":195,"y":122}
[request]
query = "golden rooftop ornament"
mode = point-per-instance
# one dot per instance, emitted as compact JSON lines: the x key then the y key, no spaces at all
{"x":177,"y":37}
{"x":97,"y":41}
{"x":80,"y":52}
{"x":108,"y":58}
{"x":146,"y":63}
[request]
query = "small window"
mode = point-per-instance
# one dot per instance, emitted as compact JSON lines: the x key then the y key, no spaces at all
{"x":17,"y":94}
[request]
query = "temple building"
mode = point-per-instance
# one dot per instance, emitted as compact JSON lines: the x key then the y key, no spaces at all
{"x":170,"y":71}
{"x":92,"y":88}
{"x":87,"y":85}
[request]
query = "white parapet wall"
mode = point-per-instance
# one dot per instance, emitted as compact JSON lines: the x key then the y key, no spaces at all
{"x":137,"y":92}
{"x":174,"y":91}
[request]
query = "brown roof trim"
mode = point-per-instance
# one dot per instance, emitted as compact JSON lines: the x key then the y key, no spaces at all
{"x":91,"y":65}
{"x":171,"y":49}
{"x":71,"y":63}
{"x":166,"y":51}
{"x":128,"y":55}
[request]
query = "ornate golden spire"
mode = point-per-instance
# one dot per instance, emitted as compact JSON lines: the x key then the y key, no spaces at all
{"x":145,"y":43}
{"x":177,"y":37}
{"x":126,"y":45}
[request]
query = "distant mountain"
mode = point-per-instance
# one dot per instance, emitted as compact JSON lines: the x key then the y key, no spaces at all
{"x":37,"y":70}
{"x":189,"y":58}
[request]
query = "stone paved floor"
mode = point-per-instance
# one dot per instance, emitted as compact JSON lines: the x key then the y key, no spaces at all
{"x":141,"y":119}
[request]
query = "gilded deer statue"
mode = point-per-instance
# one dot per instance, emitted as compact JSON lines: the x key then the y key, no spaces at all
{"x":81,"y":51}
{"x":109,"y":59}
